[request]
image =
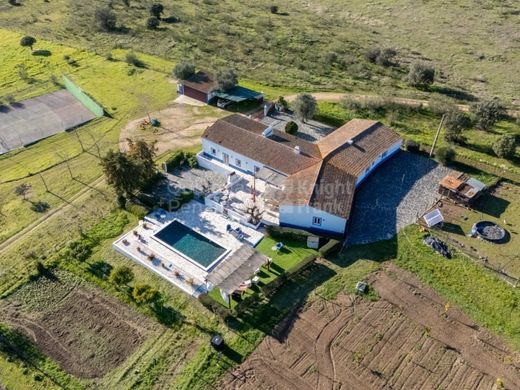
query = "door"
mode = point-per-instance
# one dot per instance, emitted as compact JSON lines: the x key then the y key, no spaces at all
{"x":226,"y":158}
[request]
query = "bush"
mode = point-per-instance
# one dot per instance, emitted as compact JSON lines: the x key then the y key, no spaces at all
{"x":274,"y":9}
{"x":152,"y":23}
{"x":304,"y":106}
{"x":412,"y":146}
{"x":505,"y":146}
{"x":281,"y":233}
{"x":137,"y":210}
{"x":179,"y":158}
{"x":121,"y":275}
{"x":144,"y":293}
{"x":379,"y":56}
{"x":184,"y":70}
{"x":227,"y":79}
{"x":421,"y":75}
{"x":445,"y":155}
{"x":132,"y":59}
{"x":106,"y":19}
{"x":28,"y":41}
{"x":79,"y":250}
{"x":156,"y":10}
{"x":192,"y":161}
{"x":455,"y":122}
{"x":487,"y":113}
{"x":291,"y":128}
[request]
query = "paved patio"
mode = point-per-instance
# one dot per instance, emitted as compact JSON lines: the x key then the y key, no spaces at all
{"x":311,"y":131}
{"x":139,"y":244}
{"x":394,"y":196}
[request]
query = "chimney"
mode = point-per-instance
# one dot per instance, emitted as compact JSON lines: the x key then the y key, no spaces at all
{"x":297,"y":149}
{"x":350,"y":142}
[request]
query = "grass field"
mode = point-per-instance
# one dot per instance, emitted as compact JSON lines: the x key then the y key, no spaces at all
{"x":312,"y":45}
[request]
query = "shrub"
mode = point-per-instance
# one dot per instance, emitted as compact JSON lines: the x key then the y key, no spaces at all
{"x":505,"y":146}
{"x":157,"y":10}
{"x":121,"y":275}
{"x":40,"y":207}
{"x":281,"y":233}
{"x":330,"y":247}
{"x":106,"y":19}
{"x":412,"y":146}
{"x":274,"y":9}
{"x":137,"y":210}
{"x":144,"y":293}
{"x":176,"y":160}
{"x":192,"y":161}
{"x":291,"y":128}
{"x":283,"y":103}
{"x":455,"y":122}
{"x":421,"y":75}
{"x":184,"y":70}
{"x":79,"y":250}
{"x":132,"y":59}
{"x":379,"y":56}
{"x":445,"y":155}
{"x":28,"y":41}
{"x":227,"y":79}
{"x":487,"y":113}
{"x":152,"y":23}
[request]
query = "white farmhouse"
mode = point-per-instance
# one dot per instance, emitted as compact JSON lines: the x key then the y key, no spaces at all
{"x":315,"y":182}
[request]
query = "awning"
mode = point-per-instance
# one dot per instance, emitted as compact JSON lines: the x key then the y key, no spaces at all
{"x":238,"y":94}
{"x":240,"y":266}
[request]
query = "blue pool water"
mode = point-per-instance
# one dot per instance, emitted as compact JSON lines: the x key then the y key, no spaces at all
{"x":190,"y":243}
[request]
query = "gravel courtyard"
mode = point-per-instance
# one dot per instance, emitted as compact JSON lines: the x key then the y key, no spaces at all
{"x":394,"y":196}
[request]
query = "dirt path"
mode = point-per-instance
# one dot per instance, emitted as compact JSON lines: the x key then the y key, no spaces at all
{"x":405,"y":340}
{"x":4,"y":246}
{"x":337,"y":96}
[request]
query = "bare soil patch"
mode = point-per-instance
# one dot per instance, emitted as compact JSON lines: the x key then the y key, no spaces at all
{"x":406,"y":340}
{"x":86,"y":332}
{"x":181,"y":127}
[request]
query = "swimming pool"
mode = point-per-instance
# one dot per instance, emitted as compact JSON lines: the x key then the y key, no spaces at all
{"x":197,"y":248}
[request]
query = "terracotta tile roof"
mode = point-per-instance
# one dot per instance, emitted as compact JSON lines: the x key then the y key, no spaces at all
{"x":201,"y":81}
{"x":323,"y":175}
{"x":245,"y":137}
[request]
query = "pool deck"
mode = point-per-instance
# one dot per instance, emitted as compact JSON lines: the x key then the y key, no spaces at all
{"x":139,"y":244}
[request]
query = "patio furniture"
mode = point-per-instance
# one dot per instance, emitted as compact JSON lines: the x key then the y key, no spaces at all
{"x":255,"y":280}
{"x":228,"y":228}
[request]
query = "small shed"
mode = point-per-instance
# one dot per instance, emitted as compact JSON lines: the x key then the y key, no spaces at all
{"x":433,"y":218}
{"x":199,"y":86}
{"x":461,"y":188}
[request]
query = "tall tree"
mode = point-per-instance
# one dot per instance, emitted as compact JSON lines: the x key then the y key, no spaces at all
{"x":143,"y":154}
{"x":226,"y":79}
{"x":122,"y":172}
{"x":487,"y":113}
{"x":304,"y":106}
{"x":184,"y":70}
{"x":22,"y":190}
{"x":121,"y":275}
{"x":106,"y":19}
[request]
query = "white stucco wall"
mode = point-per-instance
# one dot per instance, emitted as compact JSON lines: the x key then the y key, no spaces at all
{"x":378,"y":161}
{"x":247,"y":164}
{"x":302,"y":216}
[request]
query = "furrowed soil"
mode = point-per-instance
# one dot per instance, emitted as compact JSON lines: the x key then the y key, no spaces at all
{"x":85,"y":331}
{"x":409,"y":339}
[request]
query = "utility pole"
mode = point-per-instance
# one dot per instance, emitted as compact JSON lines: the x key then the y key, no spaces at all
{"x":44,"y":183}
{"x":437,"y":135}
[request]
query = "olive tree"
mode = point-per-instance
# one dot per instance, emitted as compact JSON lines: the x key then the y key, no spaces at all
{"x":106,"y":19}
{"x":184,"y":70}
{"x":28,"y":41}
{"x":227,"y":79}
{"x":304,"y":106}
{"x":487,"y":113}
{"x":505,"y":146}
{"x":421,"y":75}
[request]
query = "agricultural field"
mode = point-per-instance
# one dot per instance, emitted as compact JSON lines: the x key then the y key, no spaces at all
{"x":305,"y":45}
{"x":407,"y":338}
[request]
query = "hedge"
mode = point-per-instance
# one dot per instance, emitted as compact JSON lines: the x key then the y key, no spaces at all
{"x":281,"y":233}
{"x":180,"y":158}
{"x":330,"y":247}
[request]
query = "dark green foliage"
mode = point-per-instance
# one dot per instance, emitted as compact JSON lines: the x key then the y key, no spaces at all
{"x":144,"y":293}
{"x":445,"y":155}
{"x":192,"y":161}
{"x":455,"y":122}
{"x":330,"y":247}
{"x":274,"y":9}
{"x":412,"y":146}
{"x":106,"y":19}
{"x":184,"y":70}
{"x":122,"y":172}
{"x":79,"y":250}
{"x":180,"y":158}
{"x":487,"y":113}
{"x":143,"y":154}
{"x":152,"y":23}
{"x":226,"y":79}
{"x":40,"y":207}
{"x":283,"y":233}
{"x":291,"y":127}
{"x":132,"y":59}
{"x":28,"y":41}
{"x":157,"y":10}
{"x":384,"y":57}
{"x":121,"y":275}
{"x":282,"y":103}
{"x":22,"y":190}
{"x":421,"y":75}
{"x":505,"y":146}
{"x":304,"y":106}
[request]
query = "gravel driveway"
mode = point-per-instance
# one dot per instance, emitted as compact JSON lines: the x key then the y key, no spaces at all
{"x":393,"y":197}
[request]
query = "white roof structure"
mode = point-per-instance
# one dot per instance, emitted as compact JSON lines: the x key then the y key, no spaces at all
{"x":433,"y":218}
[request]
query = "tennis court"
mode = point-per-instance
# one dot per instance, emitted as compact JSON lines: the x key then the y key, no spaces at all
{"x":31,"y":120}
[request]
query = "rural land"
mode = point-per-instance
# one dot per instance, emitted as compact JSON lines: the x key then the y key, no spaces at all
{"x":222,"y":194}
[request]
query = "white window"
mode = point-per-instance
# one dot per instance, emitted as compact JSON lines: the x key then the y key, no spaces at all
{"x":214,"y":151}
{"x":238,"y":162}
{"x":316,"y":221}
